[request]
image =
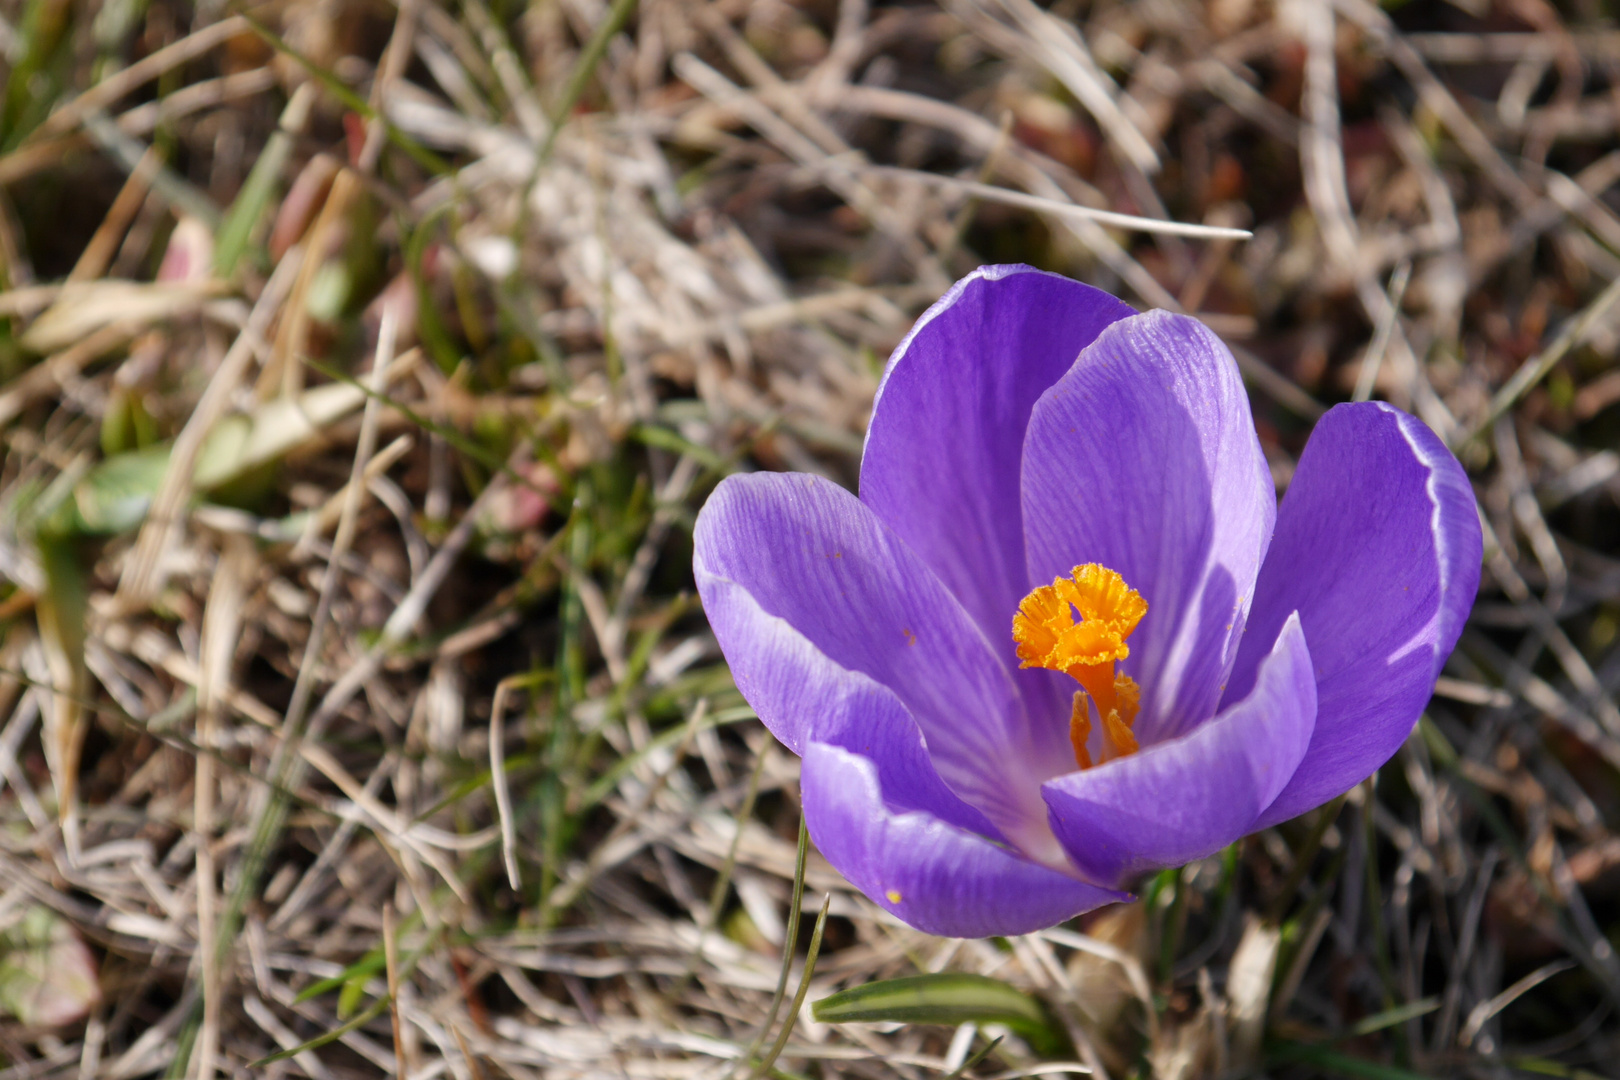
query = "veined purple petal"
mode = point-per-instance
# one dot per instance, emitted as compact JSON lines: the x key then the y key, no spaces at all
{"x":1378,"y":548}
{"x":807,"y":553}
{"x":939,"y":878}
{"x":870,"y":722}
{"x":1143,"y":458}
{"x":1189,"y":797}
{"x":943,"y":449}
{"x":799,"y":692}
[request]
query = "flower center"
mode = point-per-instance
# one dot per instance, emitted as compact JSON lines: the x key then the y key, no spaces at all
{"x":1049,"y":637}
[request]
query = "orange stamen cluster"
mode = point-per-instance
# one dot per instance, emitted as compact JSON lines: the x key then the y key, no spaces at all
{"x":1049,"y":637}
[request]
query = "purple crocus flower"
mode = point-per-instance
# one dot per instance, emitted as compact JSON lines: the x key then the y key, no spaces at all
{"x":1066,"y":635}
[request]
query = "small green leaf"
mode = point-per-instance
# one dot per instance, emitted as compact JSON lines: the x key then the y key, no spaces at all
{"x":350,"y":997}
{"x":247,"y":440}
{"x":357,"y":973}
{"x":117,"y":425}
{"x":329,"y":292}
{"x":115,"y":495}
{"x":947,"y":998}
{"x":47,"y":975}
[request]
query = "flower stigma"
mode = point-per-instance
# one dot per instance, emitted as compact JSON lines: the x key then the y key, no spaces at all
{"x":1049,"y":637}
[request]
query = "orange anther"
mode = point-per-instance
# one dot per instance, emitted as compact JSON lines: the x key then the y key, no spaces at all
{"x":1048,"y":636}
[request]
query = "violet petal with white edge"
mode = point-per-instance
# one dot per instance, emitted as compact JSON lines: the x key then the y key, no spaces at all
{"x":1378,"y":548}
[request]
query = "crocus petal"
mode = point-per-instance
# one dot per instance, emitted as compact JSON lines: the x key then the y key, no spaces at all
{"x":1143,"y":458}
{"x":947,"y":429}
{"x":1378,"y":548}
{"x":799,"y":692}
{"x":808,"y":553}
{"x":1189,"y":797}
{"x":937,"y":877}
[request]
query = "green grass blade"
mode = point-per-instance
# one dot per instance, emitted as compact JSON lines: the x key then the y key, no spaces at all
{"x":798,"y":996}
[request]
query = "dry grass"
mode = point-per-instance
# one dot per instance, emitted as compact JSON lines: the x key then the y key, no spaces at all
{"x":362,"y":368}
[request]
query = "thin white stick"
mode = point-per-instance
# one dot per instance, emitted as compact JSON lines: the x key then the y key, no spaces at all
{"x":497,"y":774}
{"x":1009,"y":197}
{"x":1490,"y":1007}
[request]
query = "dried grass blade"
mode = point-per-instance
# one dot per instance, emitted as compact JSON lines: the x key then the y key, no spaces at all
{"x":1481,"y":1013}
{"x":497,"y":775}
{"x":1367,"y":378}
{"x":1533,"y":370}
{"x":1009,"y":197}
{"x":221,"y":630}
{"x":115,"y":86}
{"x":722,"y":882}
{"x":141,"y":577}
{"x":104,"y":244}
{"x":285,"y":765}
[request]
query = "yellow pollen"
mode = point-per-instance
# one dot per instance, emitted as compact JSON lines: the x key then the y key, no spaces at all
{"x":1048,"y":636}
{"x":893,"y":895}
